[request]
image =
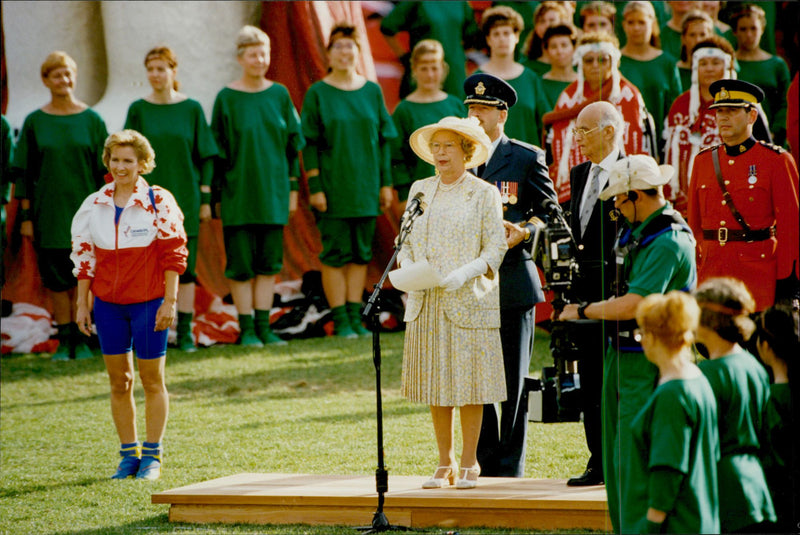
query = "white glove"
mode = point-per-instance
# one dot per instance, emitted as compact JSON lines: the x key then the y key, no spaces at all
{"x":407,"y":263}
{"x":459,"y":276}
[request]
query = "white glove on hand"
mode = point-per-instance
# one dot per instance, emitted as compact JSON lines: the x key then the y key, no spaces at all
{"x":459,"y":276}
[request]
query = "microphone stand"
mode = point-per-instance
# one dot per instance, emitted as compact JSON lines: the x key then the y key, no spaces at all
{"x":371,"y":314}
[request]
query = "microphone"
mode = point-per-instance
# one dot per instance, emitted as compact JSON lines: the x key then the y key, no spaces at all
{"x":414,"y":209}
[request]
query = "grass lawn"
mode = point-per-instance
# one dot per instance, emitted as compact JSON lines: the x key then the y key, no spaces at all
{"x":308,"y":407}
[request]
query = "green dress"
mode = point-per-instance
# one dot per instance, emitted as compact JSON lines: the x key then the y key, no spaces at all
{"x":778,"y":449}
{"x":674,"y":468}
{"x":771,"y":75}
{"x":659,"y":84}
{"x":741,"y":386}
{"x":524,"y":121}
{"x":686,"y":79}
{"x":184,"y":146}
{"x":451,"y":23}
{"x":538,"y":67}
{"x":259,"y":138}
{"x":58,"y":163}
{"x":349,"y":137}
{"x":670,"y":41}
{"x":552,"y":90}
{"x":667,"y":263}
{"x":408,"y":116}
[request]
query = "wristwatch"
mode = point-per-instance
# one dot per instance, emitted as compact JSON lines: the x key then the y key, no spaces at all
{"x":582,"y":311}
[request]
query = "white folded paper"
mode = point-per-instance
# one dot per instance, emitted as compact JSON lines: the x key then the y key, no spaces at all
{"x":417,"y":276}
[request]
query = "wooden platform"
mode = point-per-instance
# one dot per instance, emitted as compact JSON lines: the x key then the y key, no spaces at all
{"x":352,"y":500}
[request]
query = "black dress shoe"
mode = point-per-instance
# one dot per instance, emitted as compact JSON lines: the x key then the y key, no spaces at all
{"x":588,"y":478}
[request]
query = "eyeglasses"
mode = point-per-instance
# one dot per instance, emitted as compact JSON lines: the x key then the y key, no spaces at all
{"x":343,"y":45}
{"x":602,"y":60}
{"x":446,"y":146}
{"x":582,"y":132}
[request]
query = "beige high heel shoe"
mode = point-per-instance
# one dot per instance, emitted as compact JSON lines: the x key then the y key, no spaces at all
{"x":449,"y":475}
{"x":464,"y":480}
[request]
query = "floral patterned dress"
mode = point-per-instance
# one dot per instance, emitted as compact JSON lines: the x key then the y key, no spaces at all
{"x":452,"y":354}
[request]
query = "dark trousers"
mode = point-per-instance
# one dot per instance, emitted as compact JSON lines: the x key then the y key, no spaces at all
{"x":501,"y":447}
{"x":593,"y":345}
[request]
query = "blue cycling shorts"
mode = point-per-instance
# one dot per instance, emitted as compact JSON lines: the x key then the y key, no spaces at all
{"x":122,"y":328}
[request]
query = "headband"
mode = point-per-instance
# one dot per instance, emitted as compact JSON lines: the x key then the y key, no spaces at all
{"x":603,"y":47}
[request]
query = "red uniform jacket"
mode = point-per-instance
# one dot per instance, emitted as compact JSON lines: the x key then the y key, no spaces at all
{"x":761,"y":181}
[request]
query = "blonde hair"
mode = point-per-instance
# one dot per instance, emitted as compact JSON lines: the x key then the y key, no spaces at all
{"x":429,"y":46}
{"x":647,"y":9}
{"x":131,"y":138}
{"x":671,"y":318}
{"x":167,"y":55}
{"x":250,"y":36}
{"x":56,"y":60}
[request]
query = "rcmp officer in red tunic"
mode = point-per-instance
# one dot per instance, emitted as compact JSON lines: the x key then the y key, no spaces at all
{"x":743,"y":200}
{"x":520,"y":174}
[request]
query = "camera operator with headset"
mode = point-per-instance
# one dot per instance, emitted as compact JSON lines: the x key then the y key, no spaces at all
{"x":655,"y":253}
{"x":598,"y":132}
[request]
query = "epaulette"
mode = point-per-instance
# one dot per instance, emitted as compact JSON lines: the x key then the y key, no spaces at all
{"x":709,"y":148}
{"x":528,"y":146}
{"x":776,"y":148}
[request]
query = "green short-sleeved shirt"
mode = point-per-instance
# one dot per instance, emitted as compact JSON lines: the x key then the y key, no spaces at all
{"x":658,"y":82}
{"x":780,"y":442}
{"x":524,"y":121}
{"x":538,"y":67}
{"x":667,"y":263}
{"x":451,"y":23}
{"x":409,"y":116}
{"x":348,"y":135}
{"x":259,"y":138}
{"x":182,"y":140}
{"x":676,"y":431}
{"x":771,"y":75}
{"x":58,"y":162}
{"x":741,"y":386}
{"x":552,"y":90}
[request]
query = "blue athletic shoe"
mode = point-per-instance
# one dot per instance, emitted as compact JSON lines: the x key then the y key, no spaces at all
{"x":129,"y":465}
{"x":150,"y":467}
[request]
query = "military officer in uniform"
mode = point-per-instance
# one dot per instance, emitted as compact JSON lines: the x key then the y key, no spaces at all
{"x":519,"y":172}
{"x":743,"y":200}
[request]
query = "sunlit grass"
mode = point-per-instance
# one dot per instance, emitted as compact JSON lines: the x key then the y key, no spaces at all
{"x":308,"y":407}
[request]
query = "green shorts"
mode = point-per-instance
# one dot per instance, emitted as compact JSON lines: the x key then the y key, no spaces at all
{"x":190,"y":275}
{"x":346,"y":241}
{"x":55,"y":268}
{"x":253,"y":250}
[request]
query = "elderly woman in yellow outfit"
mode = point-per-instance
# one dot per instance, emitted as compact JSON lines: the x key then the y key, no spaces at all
{"x":452,"y":356}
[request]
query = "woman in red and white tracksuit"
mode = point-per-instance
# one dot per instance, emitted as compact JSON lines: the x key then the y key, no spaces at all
{"x":129,"y":247}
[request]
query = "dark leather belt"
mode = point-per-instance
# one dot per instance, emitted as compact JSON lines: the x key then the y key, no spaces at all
{"x":723,"y":234}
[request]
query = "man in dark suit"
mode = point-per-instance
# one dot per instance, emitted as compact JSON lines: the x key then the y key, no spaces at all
{"x":598,"y":132}
{"x":519,"y":172}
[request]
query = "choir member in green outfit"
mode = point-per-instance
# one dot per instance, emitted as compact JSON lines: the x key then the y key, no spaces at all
{"x":649,"y":68}
{"x":501,"y":26}
{"x":696,"y":26}
{"x":673,"y":479}
{"x":559,"y":46}
{"x":741,"y":386}
{"x":598,"y":16}
{"x":450,"y":23}
{"x":348,"y":163}
{"x":258,"y":134}
{"x":425,"y":105}
{"x":779,"y":346}
{"x":720,"y":28}
{"x":547,"y":14}
{"x":671,"y":30}
{"x":757,"y":66}
{"x":58,"y":163}
{"x":178,"y":132}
